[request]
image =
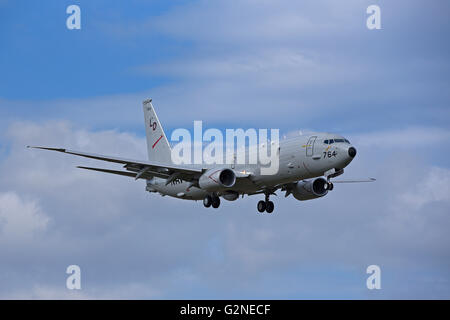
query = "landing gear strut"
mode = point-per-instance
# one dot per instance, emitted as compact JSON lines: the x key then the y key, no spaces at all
{"x":265,"y":205}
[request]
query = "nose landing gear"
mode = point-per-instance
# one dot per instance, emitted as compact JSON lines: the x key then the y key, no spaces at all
{"x":332,"y":173}
{"x":330,"y":186}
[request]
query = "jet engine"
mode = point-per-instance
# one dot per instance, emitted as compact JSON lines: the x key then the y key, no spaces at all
{"x":217,"y":179}
{"x":311,"y":189}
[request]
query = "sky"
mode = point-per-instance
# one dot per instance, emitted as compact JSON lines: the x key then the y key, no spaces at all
{"x":292,"y":65}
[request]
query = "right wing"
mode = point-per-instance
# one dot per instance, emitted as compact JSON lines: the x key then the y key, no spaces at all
{"x":137,"y":169}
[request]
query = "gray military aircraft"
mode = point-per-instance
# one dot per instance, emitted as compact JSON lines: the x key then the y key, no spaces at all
{"x":307,"y":163}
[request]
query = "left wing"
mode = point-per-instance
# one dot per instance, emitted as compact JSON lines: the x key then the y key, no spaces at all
{"x":137,"y":169}
{"x":355,"y":180}
{"x":288,"y":187}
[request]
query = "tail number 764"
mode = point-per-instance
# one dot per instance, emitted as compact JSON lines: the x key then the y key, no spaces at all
{"x":329,"y":154}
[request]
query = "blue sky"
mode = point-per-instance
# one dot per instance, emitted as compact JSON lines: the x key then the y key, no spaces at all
{"x":55,"y":62}
{"x":309,"y":65}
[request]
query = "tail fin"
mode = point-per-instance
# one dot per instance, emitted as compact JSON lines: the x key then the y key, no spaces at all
{"x":157,"y":145}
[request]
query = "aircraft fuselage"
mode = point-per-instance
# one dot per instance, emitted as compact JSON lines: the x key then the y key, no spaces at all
{"x":302,"y":157}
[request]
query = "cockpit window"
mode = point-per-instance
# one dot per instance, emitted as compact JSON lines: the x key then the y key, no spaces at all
{"x":330,"y":141}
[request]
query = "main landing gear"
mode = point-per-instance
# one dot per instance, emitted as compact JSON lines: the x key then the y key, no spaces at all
{"x":266,"y":205}
{"x":211,"y":200}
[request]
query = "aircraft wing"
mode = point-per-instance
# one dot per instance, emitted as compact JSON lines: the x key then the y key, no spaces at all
{"x":355,"y":180}
{"x":138,"y":169}
{"x":289,"y":186}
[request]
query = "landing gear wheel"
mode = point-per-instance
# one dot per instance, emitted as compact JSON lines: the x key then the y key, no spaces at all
{"x":207,"y":201}
{"x":269,"y":206}
{"x":261,"y":206}
{"x":215,"y":202}
{"x":330,"y":186}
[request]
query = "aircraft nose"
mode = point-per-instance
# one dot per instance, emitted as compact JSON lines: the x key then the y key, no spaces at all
{"x":352,"y":152}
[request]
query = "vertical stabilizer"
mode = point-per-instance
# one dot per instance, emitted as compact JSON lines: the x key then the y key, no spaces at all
{"x":157,"y":145}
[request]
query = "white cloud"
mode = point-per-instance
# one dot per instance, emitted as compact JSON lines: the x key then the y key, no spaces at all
{"x":251,"y":22}
{"x":48,"y":169}
{"x":47,"y":292}
{"x":274,"y":68}
{"x":109,"y":224}
{"x":44,"y":292}
{"x":260,"y":64}
{"x":409,"y":137}
{"x":434,"y":187}
{"x":20,"y":220}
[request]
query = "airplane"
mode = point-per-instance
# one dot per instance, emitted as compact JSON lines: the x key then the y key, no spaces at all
{"x":307,"y":163}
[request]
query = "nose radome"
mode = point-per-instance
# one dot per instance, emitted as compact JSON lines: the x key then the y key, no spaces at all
{"x":352,"y":152}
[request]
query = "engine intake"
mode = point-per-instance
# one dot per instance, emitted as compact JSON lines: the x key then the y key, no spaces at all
{"x":217,"y":179}
{"x":311,"y":189}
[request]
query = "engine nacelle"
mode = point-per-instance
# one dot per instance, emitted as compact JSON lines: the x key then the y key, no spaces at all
{"x":306,"y":190}
{"x":217,"y":179}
